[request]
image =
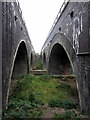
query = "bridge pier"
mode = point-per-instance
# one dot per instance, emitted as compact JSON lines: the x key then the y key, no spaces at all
{"x":84,"y":82}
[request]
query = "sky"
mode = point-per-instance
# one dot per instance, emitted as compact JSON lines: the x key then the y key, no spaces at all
{"x":39,"y":16}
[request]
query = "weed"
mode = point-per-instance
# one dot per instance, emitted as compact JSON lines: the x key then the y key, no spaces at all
{"x":58,"y":76}
{"x":23,"y":101}
{"x":64,"y":86}
{"x":45,"y":77}
{"x":63,"y":104}
{"x":31,"y":92}
{"x":68,"y":115}
{"x":38,"y":65}
{"x":71,"y":76}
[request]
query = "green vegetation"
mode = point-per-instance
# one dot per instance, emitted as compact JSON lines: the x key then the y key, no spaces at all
{"x":31,"y":93}
{"x":64,"y":78}
{"x":62,"y":104}
{"x":38,"y":64}
{"x":68,"y":115}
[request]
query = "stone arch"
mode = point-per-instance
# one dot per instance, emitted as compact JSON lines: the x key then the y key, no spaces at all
{"x":64,"y":47}
{"x":59,"y":63}
{"x":76,"y":63}
{"x":61,"y":45}
{"x":20,"y":65}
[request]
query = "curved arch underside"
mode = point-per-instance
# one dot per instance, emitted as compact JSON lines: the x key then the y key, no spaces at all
{"x":21,"y":66}
{"x":59,"y":63}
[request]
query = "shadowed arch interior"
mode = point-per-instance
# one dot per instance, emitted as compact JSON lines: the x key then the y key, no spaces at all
{"x":31,"y":59}
{"x":44,"y":58}
{"x":59,"y":63}
{"x":21,"y":66}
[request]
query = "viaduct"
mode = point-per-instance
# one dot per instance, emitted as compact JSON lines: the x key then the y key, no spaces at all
{"x":16,"y":50}
{"x":67,"y":47}
{"x":65,"y":51}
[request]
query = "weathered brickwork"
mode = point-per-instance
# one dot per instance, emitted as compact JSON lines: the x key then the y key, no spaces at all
{"x":70,"y":36}
{"x":16,"y":45}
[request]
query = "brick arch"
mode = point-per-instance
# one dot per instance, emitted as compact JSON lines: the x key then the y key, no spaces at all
{"x":59,"y":63}
{"x":61,"y":45}
{"x":66,"y":45}
{"x":20,"y":64}
{"x":76,"y":63}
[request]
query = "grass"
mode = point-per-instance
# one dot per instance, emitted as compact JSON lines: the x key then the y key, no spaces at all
{"x":67,"y":115}
{"x":38,"y":64}
{"x":66,"y":104}
{"x":64,"y":78}
{"x":31,"y":93}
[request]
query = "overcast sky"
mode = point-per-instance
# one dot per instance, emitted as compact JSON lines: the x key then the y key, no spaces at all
{"x":39,"y":16}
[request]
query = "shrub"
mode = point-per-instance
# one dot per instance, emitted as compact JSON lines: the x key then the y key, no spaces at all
{"x":63,"y":104}
{"x":64,"y":86}
{"x":71,"y":76}
{"x":68,"y":115}
{"x":45,"y":77}
{"x":38,"y":64}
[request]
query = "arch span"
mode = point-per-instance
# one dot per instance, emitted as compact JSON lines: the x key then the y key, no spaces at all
{"x":63,"y":60}
{"x":21,"y":66}
{"x":61,"y":45}
{"x":65,"y":46}
{"x":59,"y":63}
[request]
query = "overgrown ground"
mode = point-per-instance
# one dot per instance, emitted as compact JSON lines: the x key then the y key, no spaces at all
{"x":44,"y":97}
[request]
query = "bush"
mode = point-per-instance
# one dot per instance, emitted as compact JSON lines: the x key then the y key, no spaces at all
{"x":63,"y":104}
{"x":68,"y":115}
{"x":71,"y":76}
{"x":45,"y":77}
{"x":38,"y":64}
{"x":64,"y":86}
{"x":22,"y":102}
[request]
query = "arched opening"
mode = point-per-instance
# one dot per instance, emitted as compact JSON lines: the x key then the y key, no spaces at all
{"x":44,"y":58}
{"x":31,"y":59}
{"x":59,"y":63}
{"x":21,"y":65}
{"x":21,"y":62}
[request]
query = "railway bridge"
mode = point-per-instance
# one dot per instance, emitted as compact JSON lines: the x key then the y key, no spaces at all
{"x":16,"y":50}
{"x":67,"y":48}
